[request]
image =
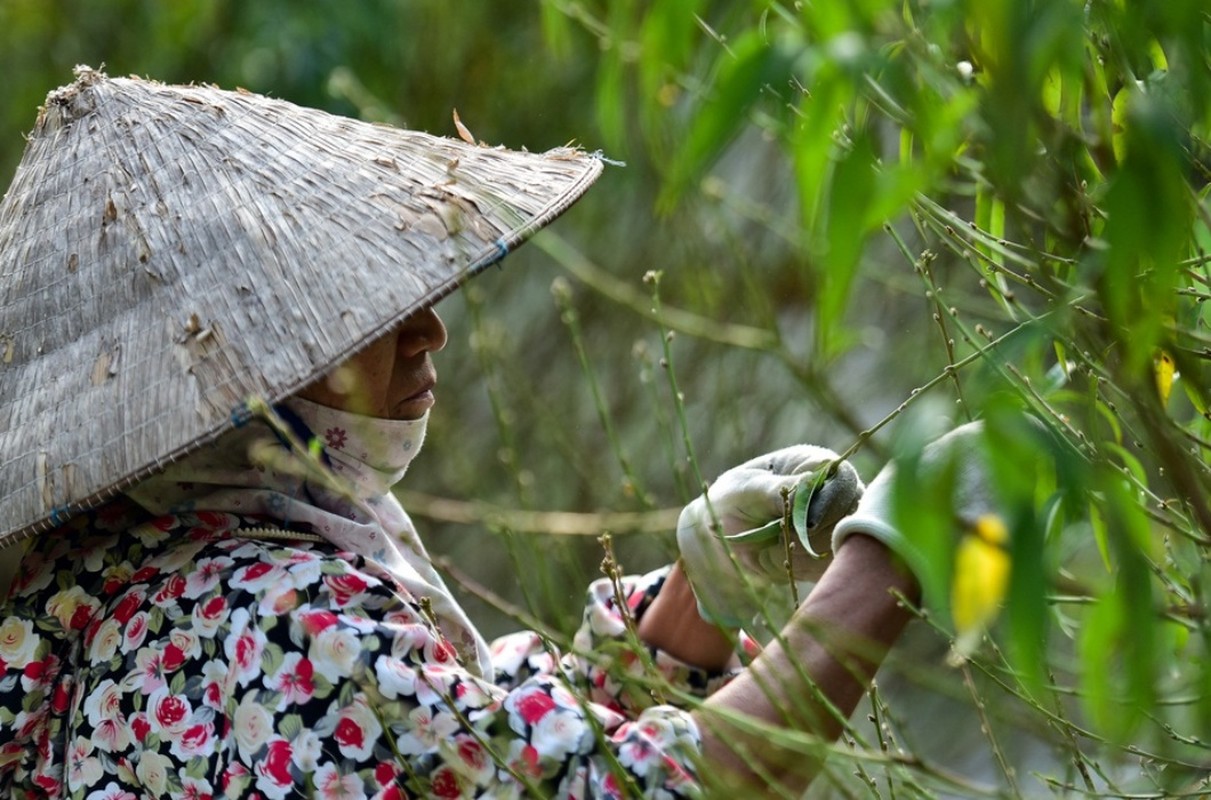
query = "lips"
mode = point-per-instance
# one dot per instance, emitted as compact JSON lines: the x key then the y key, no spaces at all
{"x":420,"y":398}
{"x":424,"y":379}
{"x":426,"y":389}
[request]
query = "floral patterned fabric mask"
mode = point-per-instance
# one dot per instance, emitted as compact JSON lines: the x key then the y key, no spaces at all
{"x":251,"y":471}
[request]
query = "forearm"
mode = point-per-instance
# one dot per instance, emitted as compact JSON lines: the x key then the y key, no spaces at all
{"x":836,"y":640}
{"x":672,"y":624}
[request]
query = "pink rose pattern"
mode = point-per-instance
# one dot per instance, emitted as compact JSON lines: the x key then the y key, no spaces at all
{"x":154,"y":665}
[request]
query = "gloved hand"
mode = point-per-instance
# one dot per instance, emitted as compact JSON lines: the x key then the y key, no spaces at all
{"x":967,"y":532}
{"x":744,"y":516}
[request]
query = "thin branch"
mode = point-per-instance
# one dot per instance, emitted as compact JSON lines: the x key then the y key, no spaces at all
{"x":585,"y":271}
{"x":553,"y":523}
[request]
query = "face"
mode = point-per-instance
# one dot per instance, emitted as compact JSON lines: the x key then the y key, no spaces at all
{"x":391,"y":379}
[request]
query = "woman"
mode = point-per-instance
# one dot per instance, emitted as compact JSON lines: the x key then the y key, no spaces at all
{"x":235,"y":605}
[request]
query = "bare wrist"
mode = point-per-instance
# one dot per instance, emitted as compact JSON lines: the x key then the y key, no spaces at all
{"x":672,"y":624}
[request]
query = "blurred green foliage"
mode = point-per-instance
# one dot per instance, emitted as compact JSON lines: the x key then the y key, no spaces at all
{"x":870,"y":219}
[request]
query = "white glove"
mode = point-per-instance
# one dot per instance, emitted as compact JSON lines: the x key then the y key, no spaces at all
{"x":748,"y":505}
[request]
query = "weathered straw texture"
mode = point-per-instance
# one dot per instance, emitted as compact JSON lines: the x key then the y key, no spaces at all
{"x":167,"y":252}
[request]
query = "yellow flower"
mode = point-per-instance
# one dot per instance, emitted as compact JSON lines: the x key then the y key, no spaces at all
{"x":981,"y":579}
{"x":1165,"y":371}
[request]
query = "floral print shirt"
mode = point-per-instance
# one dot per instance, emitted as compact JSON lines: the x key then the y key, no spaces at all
{"x":186,"y":656}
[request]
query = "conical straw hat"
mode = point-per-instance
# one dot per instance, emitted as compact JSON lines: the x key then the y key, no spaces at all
{"x":167,"y":252}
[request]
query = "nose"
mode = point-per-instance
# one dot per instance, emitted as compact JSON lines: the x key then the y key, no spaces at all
{"x":422,"y":332}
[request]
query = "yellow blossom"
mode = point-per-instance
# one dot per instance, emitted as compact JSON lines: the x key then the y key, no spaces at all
{"x":981,"y":579}
{"x":1165,"y":371}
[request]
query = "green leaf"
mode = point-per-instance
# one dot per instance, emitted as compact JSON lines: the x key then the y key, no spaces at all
{"x":1119,"y":647}
{"x":804,"y":492}
{"x":921,"y":503}
{"x":1053,"y":93}
{"x":1195,"y":396}
{"x":765,"y":533}
{"x":323,"y":686}
{"x":896,"y":187}
{"x":1100,"y":536}
{"x":1111,"y":418}
{"x":1129,"y":461}
{"x":345,"y":693}
{"x":271,"y":658}
{"x":197,"y":768}
{"x":666,"y":37}
{"x":556,"y":29}
{"x":1151,"y":220}
{"x":745,"y":68}
{"x":1028,"y":608}
{"x":990,"y":217}
{"x":177,"y":684}
{"x":851,"y":193}
{"x":830,"y":20}
{"x":812,"y":143}
{"x":290,"y":726}
{"x":611,"y":103}
{"x":1099,"y":636}
{"x":1021,"y":460}
{"x":32,"y":700}
{"x":906,"y":148}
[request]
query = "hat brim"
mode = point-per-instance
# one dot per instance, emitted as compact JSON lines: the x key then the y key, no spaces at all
{"x":168,"y":252}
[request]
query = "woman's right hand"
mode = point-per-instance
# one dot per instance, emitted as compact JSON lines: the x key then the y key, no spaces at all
{"x":741,"y":516}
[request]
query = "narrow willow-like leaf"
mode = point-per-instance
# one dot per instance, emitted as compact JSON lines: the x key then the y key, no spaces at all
{"x":812,"y":144}
{"x":896,"y":187}
{"x":921,"y":507}
{"x":850,"y":194}
{"x":748,"y":64}
{"x":1119,"y":655}
{"x":1028,"y":607}
{"x":1100,"y":632}
{"x":666,"y":37}
{"x":556,"y":29}
{"x":1129,"y":461}
{"x":1195,"y":397}
{"x":804,"y":492}
{"x":610,"y":103}
{"x":1021,"y":472}
{"x":990,"y":217}
{"x":1151,"y":210}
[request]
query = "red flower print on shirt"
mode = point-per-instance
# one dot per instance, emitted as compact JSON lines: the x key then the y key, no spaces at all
{"x":264,"y":670}
{"x":349,"y":733}
{"x":345,"y":588}
{"x":534,"y":706}
{"x":445,"y":783}
{"x":277,"y":762}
